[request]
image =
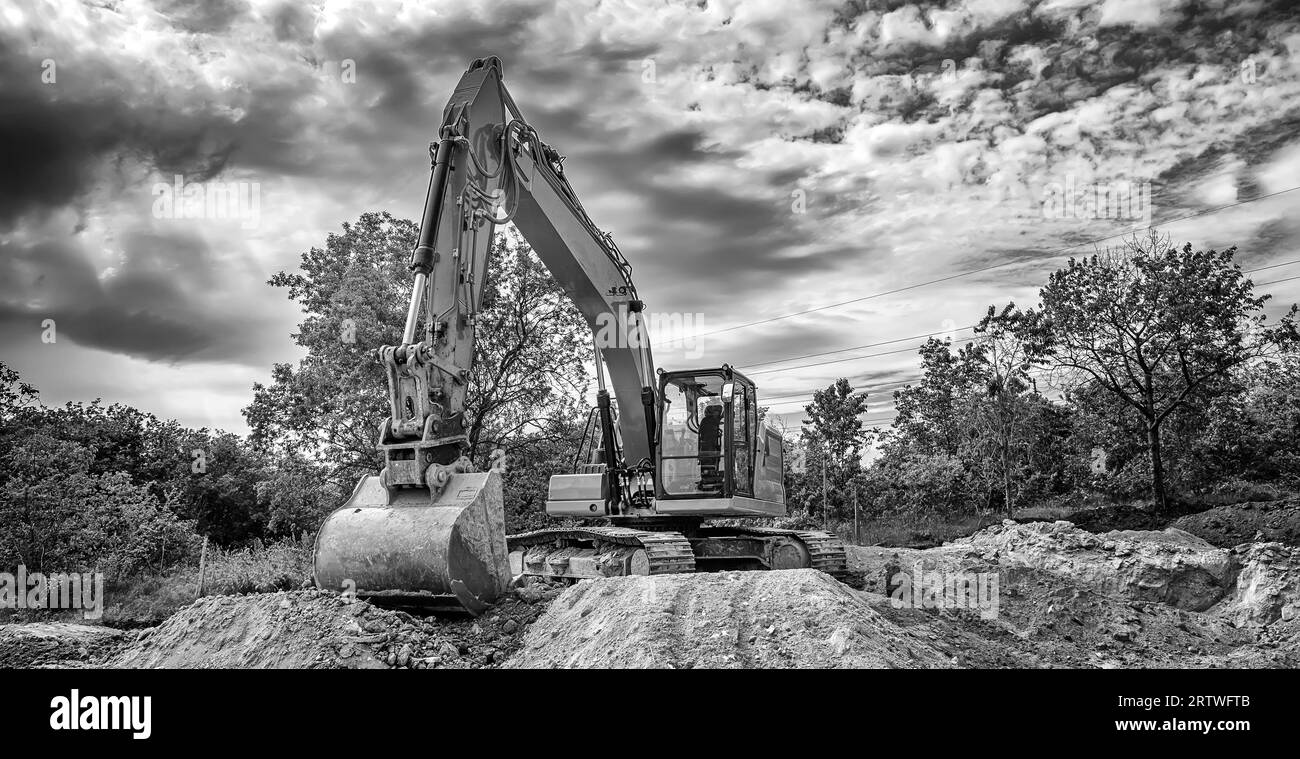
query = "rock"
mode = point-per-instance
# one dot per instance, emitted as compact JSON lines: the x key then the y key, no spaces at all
{"x":404,"y":656}
{"x":840,"y":641}
{"x":509,"y":627}
{"x":448,"y":652}
{"x":530,"y":594}
{"x":1265,"y":589}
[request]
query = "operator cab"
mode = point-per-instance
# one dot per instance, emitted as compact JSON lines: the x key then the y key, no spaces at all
{"x":711,"y":446}
{"x":713,"y":458}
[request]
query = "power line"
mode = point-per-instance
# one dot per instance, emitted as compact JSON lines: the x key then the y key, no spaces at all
{"x":853,"y":348}
{"x":851,"y":358}
{"x":1052,"y":254}
{"x":808,"y":393}
{"x":1273,"y":266}
{"x":914,"y":337}
{"x":961,"y":329}
{"x":806,"y":396}
{"x":1276,"y":281}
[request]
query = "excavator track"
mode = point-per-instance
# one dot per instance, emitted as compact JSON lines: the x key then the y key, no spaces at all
{"x":668,"y":552}
{"x":671,"y":553}
{"x":825,"y":550}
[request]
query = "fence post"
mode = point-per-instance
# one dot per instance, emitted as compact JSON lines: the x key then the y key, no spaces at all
{"x":826,"y":516}
{"x":203,"y":566}
{"x":857,"y":536}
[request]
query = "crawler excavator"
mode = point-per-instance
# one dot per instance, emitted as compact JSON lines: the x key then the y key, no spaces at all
{"x":663,"y":452}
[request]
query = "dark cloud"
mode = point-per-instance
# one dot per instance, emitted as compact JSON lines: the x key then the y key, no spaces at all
{"x":206,"y":17}
{"x":162,"y":303}
{"x":56,"y":138}
{"x":292,"y":23}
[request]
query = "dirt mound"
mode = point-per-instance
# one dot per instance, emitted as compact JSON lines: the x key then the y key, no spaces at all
{"x":1128,"y":598}
{"x":1172,"y":567}
{"x":1045,"y":621}
{"x":312,"y":629}
{"x":58,"y":644}
{"x":1129,"y":516}
{"x":798,"y":618}
{"x":1231,"y":525}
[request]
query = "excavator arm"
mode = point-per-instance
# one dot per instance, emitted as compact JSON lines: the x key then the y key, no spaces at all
{"x":491,"y":167}
{"x":429,"y":525}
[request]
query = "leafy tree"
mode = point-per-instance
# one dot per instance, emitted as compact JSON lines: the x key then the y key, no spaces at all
{"x":58,"y":515}
{"x":295,"y":496}
{"x":529,"y":381}
{"x":1018,"y":442}
{"x":918,"y":485}
{"x":833,"y":440}
{"x":1155,"y":326}
{"x":214,"y":487}
{"x":15,"y":395}
{"x":1253,"y":433}
{"x":928,"y":419}
{"x":354,"y":294}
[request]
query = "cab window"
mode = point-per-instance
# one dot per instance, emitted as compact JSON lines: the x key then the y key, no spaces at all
{"x":691,"y":435}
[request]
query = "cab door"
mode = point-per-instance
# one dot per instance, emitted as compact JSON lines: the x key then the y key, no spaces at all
{"x":741,"y":437}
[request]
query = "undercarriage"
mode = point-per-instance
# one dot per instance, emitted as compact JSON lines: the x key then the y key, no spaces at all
{"x":669,"y":546}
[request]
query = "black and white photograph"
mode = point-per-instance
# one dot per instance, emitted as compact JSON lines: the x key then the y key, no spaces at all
{"x":548,"y":335}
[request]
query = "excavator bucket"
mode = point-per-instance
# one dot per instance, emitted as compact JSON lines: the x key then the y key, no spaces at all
{"x":402,"y":546}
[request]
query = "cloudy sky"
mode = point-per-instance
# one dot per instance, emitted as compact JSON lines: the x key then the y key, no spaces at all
{"x":753,"y":159}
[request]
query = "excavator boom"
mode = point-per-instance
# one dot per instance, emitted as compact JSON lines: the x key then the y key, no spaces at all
{"x":428,"y":528}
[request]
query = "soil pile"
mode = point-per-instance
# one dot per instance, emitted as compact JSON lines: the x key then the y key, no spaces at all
{"x":1128,"y":598}
{"x":797,"y":618}
{"x":312,"y":629}
{"x":1234,"y":524}
{"x":58,"y":644}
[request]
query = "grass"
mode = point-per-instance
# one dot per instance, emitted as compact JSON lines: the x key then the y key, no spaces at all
{"x":260,"y":569}
{"x":148,"y":599}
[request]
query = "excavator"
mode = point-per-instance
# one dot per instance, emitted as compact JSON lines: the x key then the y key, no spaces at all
{"x":672,"y":468}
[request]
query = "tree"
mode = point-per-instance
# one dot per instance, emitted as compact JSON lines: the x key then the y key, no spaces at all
{"x":529,"y":381}
{"x":15,"y":395}
{"x":59,"y":515}
{"x":1253,"y":433}
{"x":354,"y":294}
{"x":834,"y":438}
{"x":295,"y":496}
{"x":928,"y":419}
{"x":1002,"y":415}
{"x":1155,"y":326}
